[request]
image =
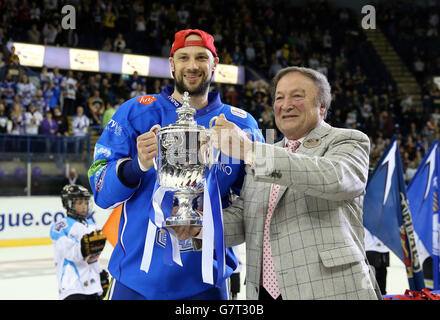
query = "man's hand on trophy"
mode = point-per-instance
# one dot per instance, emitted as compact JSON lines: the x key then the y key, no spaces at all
{"x":186,"y":232}
{"x":147,"y":148}
{"x":230,"y":139}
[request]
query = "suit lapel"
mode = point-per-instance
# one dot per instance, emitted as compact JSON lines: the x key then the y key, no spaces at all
{"x":282,"y":188}
{"x":311,"y":144}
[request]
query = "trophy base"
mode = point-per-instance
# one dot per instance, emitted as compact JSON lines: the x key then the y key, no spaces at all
{"x":194,"y":222}
{"x":194,"y":219}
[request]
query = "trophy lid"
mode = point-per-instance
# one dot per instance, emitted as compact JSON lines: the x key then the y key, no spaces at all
{"x":185,"y":113}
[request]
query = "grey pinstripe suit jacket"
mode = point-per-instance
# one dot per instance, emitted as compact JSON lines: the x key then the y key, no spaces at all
{"x":316,"y":230}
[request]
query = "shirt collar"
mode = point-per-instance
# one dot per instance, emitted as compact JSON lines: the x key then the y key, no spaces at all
{"x":214,"y":101}
{"x":300,"y":140}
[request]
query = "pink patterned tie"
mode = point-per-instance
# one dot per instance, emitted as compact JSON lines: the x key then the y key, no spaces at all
{"x":270,"y":282}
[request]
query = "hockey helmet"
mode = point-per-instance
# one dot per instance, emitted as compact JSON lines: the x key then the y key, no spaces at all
{"x":70,"y":194}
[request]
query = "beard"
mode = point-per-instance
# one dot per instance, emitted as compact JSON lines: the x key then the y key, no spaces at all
{"x":201,"y":89}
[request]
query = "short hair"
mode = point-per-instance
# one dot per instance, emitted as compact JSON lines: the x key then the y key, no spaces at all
{"x":324,"y":96}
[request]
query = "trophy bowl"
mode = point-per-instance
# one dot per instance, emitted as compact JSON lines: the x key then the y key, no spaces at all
{"x":185,"y":154}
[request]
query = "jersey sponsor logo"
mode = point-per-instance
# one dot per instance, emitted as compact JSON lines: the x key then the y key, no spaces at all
{"x":102,"y":150}
{"x":114,"y":127}
{"x":174,"y":101}
{"x":147,"y":100}
{"x":226,"y":169}
{"x":99,"y":178}
{"x":60,"y":225}
{"x":184,"y":245}
{"x":238,"y":112}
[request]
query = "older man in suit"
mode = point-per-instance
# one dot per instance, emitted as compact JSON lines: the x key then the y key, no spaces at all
{"x":300,"y":209}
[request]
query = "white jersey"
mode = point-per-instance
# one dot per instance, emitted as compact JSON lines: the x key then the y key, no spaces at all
{"x":75,"y":275}
{"x":32,"y":122}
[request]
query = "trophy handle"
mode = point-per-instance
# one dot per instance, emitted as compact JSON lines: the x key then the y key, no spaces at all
{"x":155,"y":129}
{"x":155,"y":163}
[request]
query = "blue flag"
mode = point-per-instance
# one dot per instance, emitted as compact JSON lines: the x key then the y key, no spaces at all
{"x":387,"y":214}
{"x":423,"y":193}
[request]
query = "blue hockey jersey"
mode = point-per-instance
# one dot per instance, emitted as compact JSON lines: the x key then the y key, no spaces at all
{"x":117,"y":142}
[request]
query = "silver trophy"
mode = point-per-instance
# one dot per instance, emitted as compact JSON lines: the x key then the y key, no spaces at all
{"x":185,"y":154}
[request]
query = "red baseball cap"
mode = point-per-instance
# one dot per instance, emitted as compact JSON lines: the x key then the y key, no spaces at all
{"x":207,"y":40}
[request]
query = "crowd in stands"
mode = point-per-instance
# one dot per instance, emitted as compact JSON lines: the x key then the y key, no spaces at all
{"x":263,"y":35}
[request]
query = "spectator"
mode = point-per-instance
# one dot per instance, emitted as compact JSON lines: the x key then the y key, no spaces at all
{"x":24,"y":14}
{"x":25,"y":90}
{"x":108,"y":114}
{"x":51,"y":94}
{"x":352,"y":119}
{"x":436,"y":116}
{"x":386,"y":124}
{"x":140,"y":91}
{"x":120,"y":102}
{"x":433,"y":19}
{"x":35,"y":13}
{"x":63,"y":127}
{"x":49,"y":34}
{"x":314,"y":61}
{"x":237,"y":56}
{"x":61,"y":37}
{"x":184,"y":16}
{"x":323,"y":67}
{"x":58,"y":77}
{"x":40,"y":103}
{"x":45,"y":76}
{"x":134,"y":81}
{"x":250,"y":52}
{"x":17,"y":118}
{"x":71,"y":38}
{"x":80,"y":128}
{"x":49,"y":128}
{"x":366,"y":110}
{"x":119,"y":43}
{"x":4,"y":121}
{"x":13,"y":59}
{"x":109,"y":22}
{"x":105,"y":91}
{"x":432,"y":126}
{"x":72,"y":177}
{"x":96,"y":107}
{"x":140,"y":24}
{"x":82,"y":95}
{"x":33,"y":34}
{"x":32,"y":120}
{"x":327,"y":41}
{"x":267,"y":117}
{"x":9,"y":88}
{"x":419,"y":69}
{"x":107,"y":46}
{"x":69,"y":85}
{"x":227,"y":59}
{"x":49,"y":125}
{"x":166,"y":48}
{"x":231,"y":95}
{"x":97,"y":19}
{"x":121,"y":90}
